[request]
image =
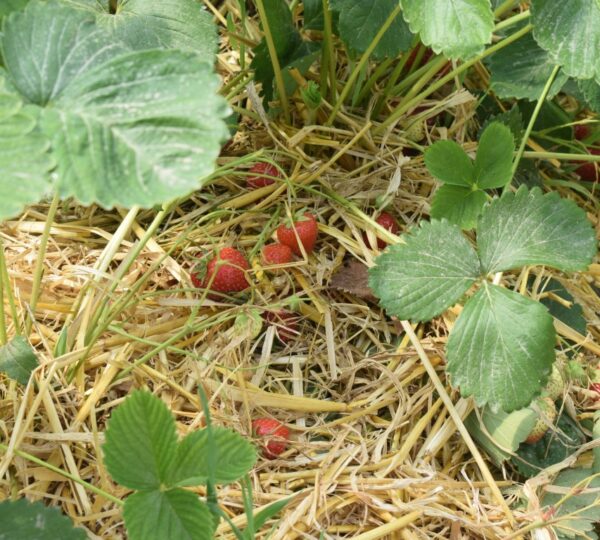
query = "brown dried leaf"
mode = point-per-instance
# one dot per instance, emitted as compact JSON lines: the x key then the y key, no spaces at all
{"x":353,"y":278}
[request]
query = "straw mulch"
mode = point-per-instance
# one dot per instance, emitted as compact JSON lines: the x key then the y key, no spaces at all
{"x":375,"y":451}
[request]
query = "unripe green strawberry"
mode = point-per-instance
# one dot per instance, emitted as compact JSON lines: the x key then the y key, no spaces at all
{"x":556,"y":385}
{"x":547,"y":417}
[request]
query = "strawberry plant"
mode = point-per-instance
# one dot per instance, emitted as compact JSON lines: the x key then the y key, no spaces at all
{"x":501,"y":348}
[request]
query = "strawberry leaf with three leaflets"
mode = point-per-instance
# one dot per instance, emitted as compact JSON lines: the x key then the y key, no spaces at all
{"x":501,"y":348}
{"x":493,"y":163}
{"x":427,"y":274}
{"x":529,"y":228}
{"x":141,"y":443}
{"x":160,"y":515}
{"x":459,"y":205}
{"x":22,"y":520}
{"x":570,"y":32}
{"x":457,"y":28}
{"x":235,"y":458}
{"x":360,"y":21}
{"x":449,"y":163}
{"x":153,"y":24}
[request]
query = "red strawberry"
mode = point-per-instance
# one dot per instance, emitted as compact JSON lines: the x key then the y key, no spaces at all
{"x":262,"y":172}
{"x":277,"y":254}
{"x":581,"y":131}
{"x":306,"y":228}
{"x":589,"y":171}
{"x":275,"y":433}
{"x":286,"y":324}
{"x":388,"y":222}
{"x":224,"y":272}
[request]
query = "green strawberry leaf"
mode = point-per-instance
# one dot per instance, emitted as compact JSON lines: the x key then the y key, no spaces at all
{"x":235,"y":458}
{"x":427,"y":274}
{"x":18,"y":359}
{"x":154,"y":24}
{"x":579,"y":509}
{"x":528,"y":228}
{"x":360,"y":21}
{"x":449,"y":163}
{"x":458,"y":28}
{"x":313,"y":14}
{"x":21,"y":520}
{"x":570,"y":32}
{"x":572,"y":316}
{"x":8,"y":6}
{"x":493,"y":163}
{"x":25,"y":158}
{"x":522,"y":69}
{"x":141,"y":443}
{"x":501,"y":433}
{"x":459,"y":205}
{"x":501,"y":348}
{"x":512,"y":119}
{"x":591,"y":92}
{"x":161,"y":515}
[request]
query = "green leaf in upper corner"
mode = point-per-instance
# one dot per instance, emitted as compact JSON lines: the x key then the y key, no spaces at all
{"x":152,"y":24}
{"x":360,"y":22}
{"x":449,"y":163}
{"x":555,"y":446}
{"x":8,"y":6}
{"x":529,"y":228}
{"x":167,"y":515}
{"x":313,"y":14}
{"x":493,"y":162}
{"x":522,"y":69}
{"x":457,"y":28}
{"x":500,"y":433}
{"x":570,"y":32}
{"x":21,"y":520}
{"x":427,"y":274}
{"x":591,"y":92}
{"x":48,"y":45}
{"x":141,"y":442}
{"x":501,"y":348}
{"x":572,"y":316}
{"x":512,"y":119}
{"x":235,"y":458}
{"x":25,"y":159}
{"x":579,"y":509}
{"x":18,"y":359}
{"x":292,"y":52}
{"x":459,"y":205}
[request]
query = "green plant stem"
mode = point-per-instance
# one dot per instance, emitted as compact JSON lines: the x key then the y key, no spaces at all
{"x":531,"y":123}
{"x":507,"y":5}
{"x":561,"y":156}
{"x":329,"y":51}
{"x":373,"y":79}
{"x":8,"y":290}
{"x":39,"y":266}
{"x":362,"y":62}
{"x":211,"y":490}
{"x":247,"y":496}
{"x":404,"y":107}
{"x":512,"y":21}
{"x":274,"y":60}
{"x":66,"y":474}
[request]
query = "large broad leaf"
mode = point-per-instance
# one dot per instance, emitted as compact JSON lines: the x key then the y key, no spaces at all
{"x":528,"y":228}
{"x":580,"y":508}
{"x":25,"y":160}
{"x":429,"y":273}
{"x":500,"y":433}
{"x":570,"y":32}
{"x":21,"y":520}
{"x":591,"y":92}
{"x":46,"y":46}
{"x":162,"y":515}
{"x":522,"y":69}
{"x":501,"y":349}
{"x":449,"y":163}
{"x":458,"y":28}
{"x":149,"y":124}
{"x":141,"y":442}
{"x":8,"y":6}
{"x":235,"y":457}
{"x":493,"y":163}
{"x":459,"y":205}
{"x":18,"y":359}
{"x":360,"y":22}
{"x":151,"y":24}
